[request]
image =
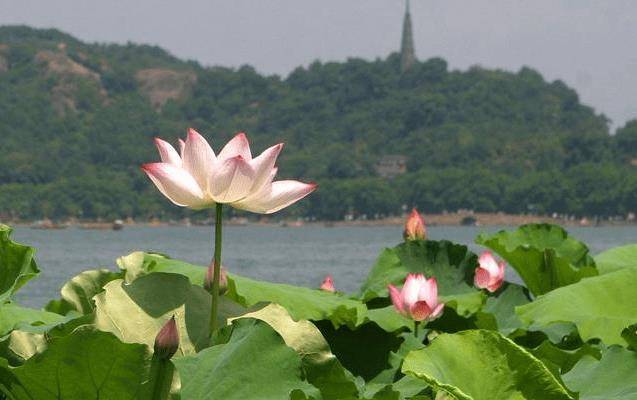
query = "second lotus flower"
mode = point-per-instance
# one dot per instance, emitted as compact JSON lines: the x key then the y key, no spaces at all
{"x":490,"y":273}
{"x":197,"y":178}
{"x":418,"y":298}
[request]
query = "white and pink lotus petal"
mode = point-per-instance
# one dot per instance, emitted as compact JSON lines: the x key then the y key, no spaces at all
{"x":276,"y":196}
{"x":167,"y":153}
{"x":199,"y":159}
{"x":176,"y":184}
{"x":237,"y":146}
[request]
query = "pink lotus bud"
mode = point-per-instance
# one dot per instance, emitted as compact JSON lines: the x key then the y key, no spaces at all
{"x":328,"y":284}
{"x":418,"y":298}
{"x":167,"y":340}
{"x":223,"y":280}
{"x":490,"y":273}
{"x":415,"y":227}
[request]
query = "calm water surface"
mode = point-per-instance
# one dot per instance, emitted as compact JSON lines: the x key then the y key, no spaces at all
{"x":299,"y":256}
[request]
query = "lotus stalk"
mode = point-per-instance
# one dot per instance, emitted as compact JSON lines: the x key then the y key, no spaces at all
{"x":197,"y":178}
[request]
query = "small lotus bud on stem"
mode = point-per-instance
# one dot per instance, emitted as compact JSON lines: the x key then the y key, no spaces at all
{"x":167,"y":340}
{"x":223,"y":279}
{"x":328,"y":284}
{"x":415,"y":227}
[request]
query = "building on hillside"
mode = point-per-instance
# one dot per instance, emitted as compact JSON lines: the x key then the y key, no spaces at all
{"x":407,"y":50}
{"x":390,"y":166}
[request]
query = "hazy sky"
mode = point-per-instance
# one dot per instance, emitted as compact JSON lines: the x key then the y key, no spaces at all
{"x":592,"y":45}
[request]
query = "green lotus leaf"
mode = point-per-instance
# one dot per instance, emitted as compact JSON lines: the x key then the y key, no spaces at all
{"x":17,"y":265}
{"x":451,"y":264}
{"x":87,"y":364}
{"x":614,"y":377}
{"x":77,"y":294}
{"x":254,"y":364}
{"x":601,"y":307}
{"x":300,"y":302}
{"x":498,"y":312}
{"x":617,"y":258}
{"x":136,"y":312}
{"x":544,"y":255}
{"x":321,"y":367}
{"x":483,"y":365}
{"x":14,"y":316}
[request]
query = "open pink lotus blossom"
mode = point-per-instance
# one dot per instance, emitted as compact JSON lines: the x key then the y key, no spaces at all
{"x":418,"y":298}
{"x":490,"y":273}
{"x":415,"y":227}
{"x":198,"y":178}
{"x":328,"y":284}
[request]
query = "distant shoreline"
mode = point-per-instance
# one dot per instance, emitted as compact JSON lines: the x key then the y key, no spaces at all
{"x":447,"y":219}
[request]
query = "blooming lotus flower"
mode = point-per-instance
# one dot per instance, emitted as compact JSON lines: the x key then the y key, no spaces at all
{"x":415,"y":227}
{"x":167,"y":340}
{"x":328,"y":284}
{"x":418,"y":298}
{"x":198,"y":178}
{"x":489,"y":274}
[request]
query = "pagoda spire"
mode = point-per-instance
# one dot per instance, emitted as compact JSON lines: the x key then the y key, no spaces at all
{"x":407,"y":52}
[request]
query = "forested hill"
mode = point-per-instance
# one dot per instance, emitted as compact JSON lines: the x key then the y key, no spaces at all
{"x":77,"y":120}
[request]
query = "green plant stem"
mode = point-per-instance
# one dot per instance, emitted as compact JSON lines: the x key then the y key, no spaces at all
{"x":161,"y":378}
{"x":217,"y":270}
{"x":416,"y":329}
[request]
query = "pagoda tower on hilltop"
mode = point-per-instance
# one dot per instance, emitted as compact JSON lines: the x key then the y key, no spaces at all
{"x":407,"y":51}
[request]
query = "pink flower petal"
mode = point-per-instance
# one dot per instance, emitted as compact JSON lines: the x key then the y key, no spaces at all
{"x":429,"y":292}
{"x":198,"y":158}
{"x":237,"y":146}
{"x":396,"y":298}
{"x":481,"y":278}
{"x":167,"y":153}
{"x":437,"y":311}
{"x":411,"y":289}
{"x":182,"y":146}
{"x":328,"y":284}
{"x":232,"y":180}
{"x":488,"y":262}
{"x":420,"y":311}
{"x":275,"y":196}
{"x":263,"y":165}
{"x":176,"y":184}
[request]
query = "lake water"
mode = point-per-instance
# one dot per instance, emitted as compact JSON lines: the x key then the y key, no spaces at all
{"x":301,"y":256}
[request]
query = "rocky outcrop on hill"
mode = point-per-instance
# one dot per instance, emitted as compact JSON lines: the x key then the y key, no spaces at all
{"x":160,"y":85}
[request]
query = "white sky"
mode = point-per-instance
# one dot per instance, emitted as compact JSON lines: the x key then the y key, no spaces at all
{"x":589,"y":44}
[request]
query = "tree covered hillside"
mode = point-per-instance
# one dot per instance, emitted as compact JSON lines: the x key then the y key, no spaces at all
{"x":77,"y":120}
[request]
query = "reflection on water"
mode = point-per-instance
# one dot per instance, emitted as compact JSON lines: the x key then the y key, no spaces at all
{"x":300,"y":256}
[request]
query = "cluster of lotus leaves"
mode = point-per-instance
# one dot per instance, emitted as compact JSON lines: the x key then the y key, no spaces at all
{"x":568,"y":331}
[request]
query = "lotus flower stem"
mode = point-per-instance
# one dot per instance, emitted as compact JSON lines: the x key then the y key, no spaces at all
{"x":217,"y":270}
{"x":416,"y":328}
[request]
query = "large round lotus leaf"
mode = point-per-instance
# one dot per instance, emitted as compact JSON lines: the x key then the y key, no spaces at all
{"x":17,"y":264}
{"x":483,"y":365}
{"x":544,"y":255}
{"x":617,"y":258}
{"x":321,"y":367}
{"x":601,"y":307}
{"x":254,"y":364}
{"x":614,"y":377}
{"x":300,"y":302}
{"x":84,"y":365}
{"x":136,"y":312}
{"x":77,"y":294}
